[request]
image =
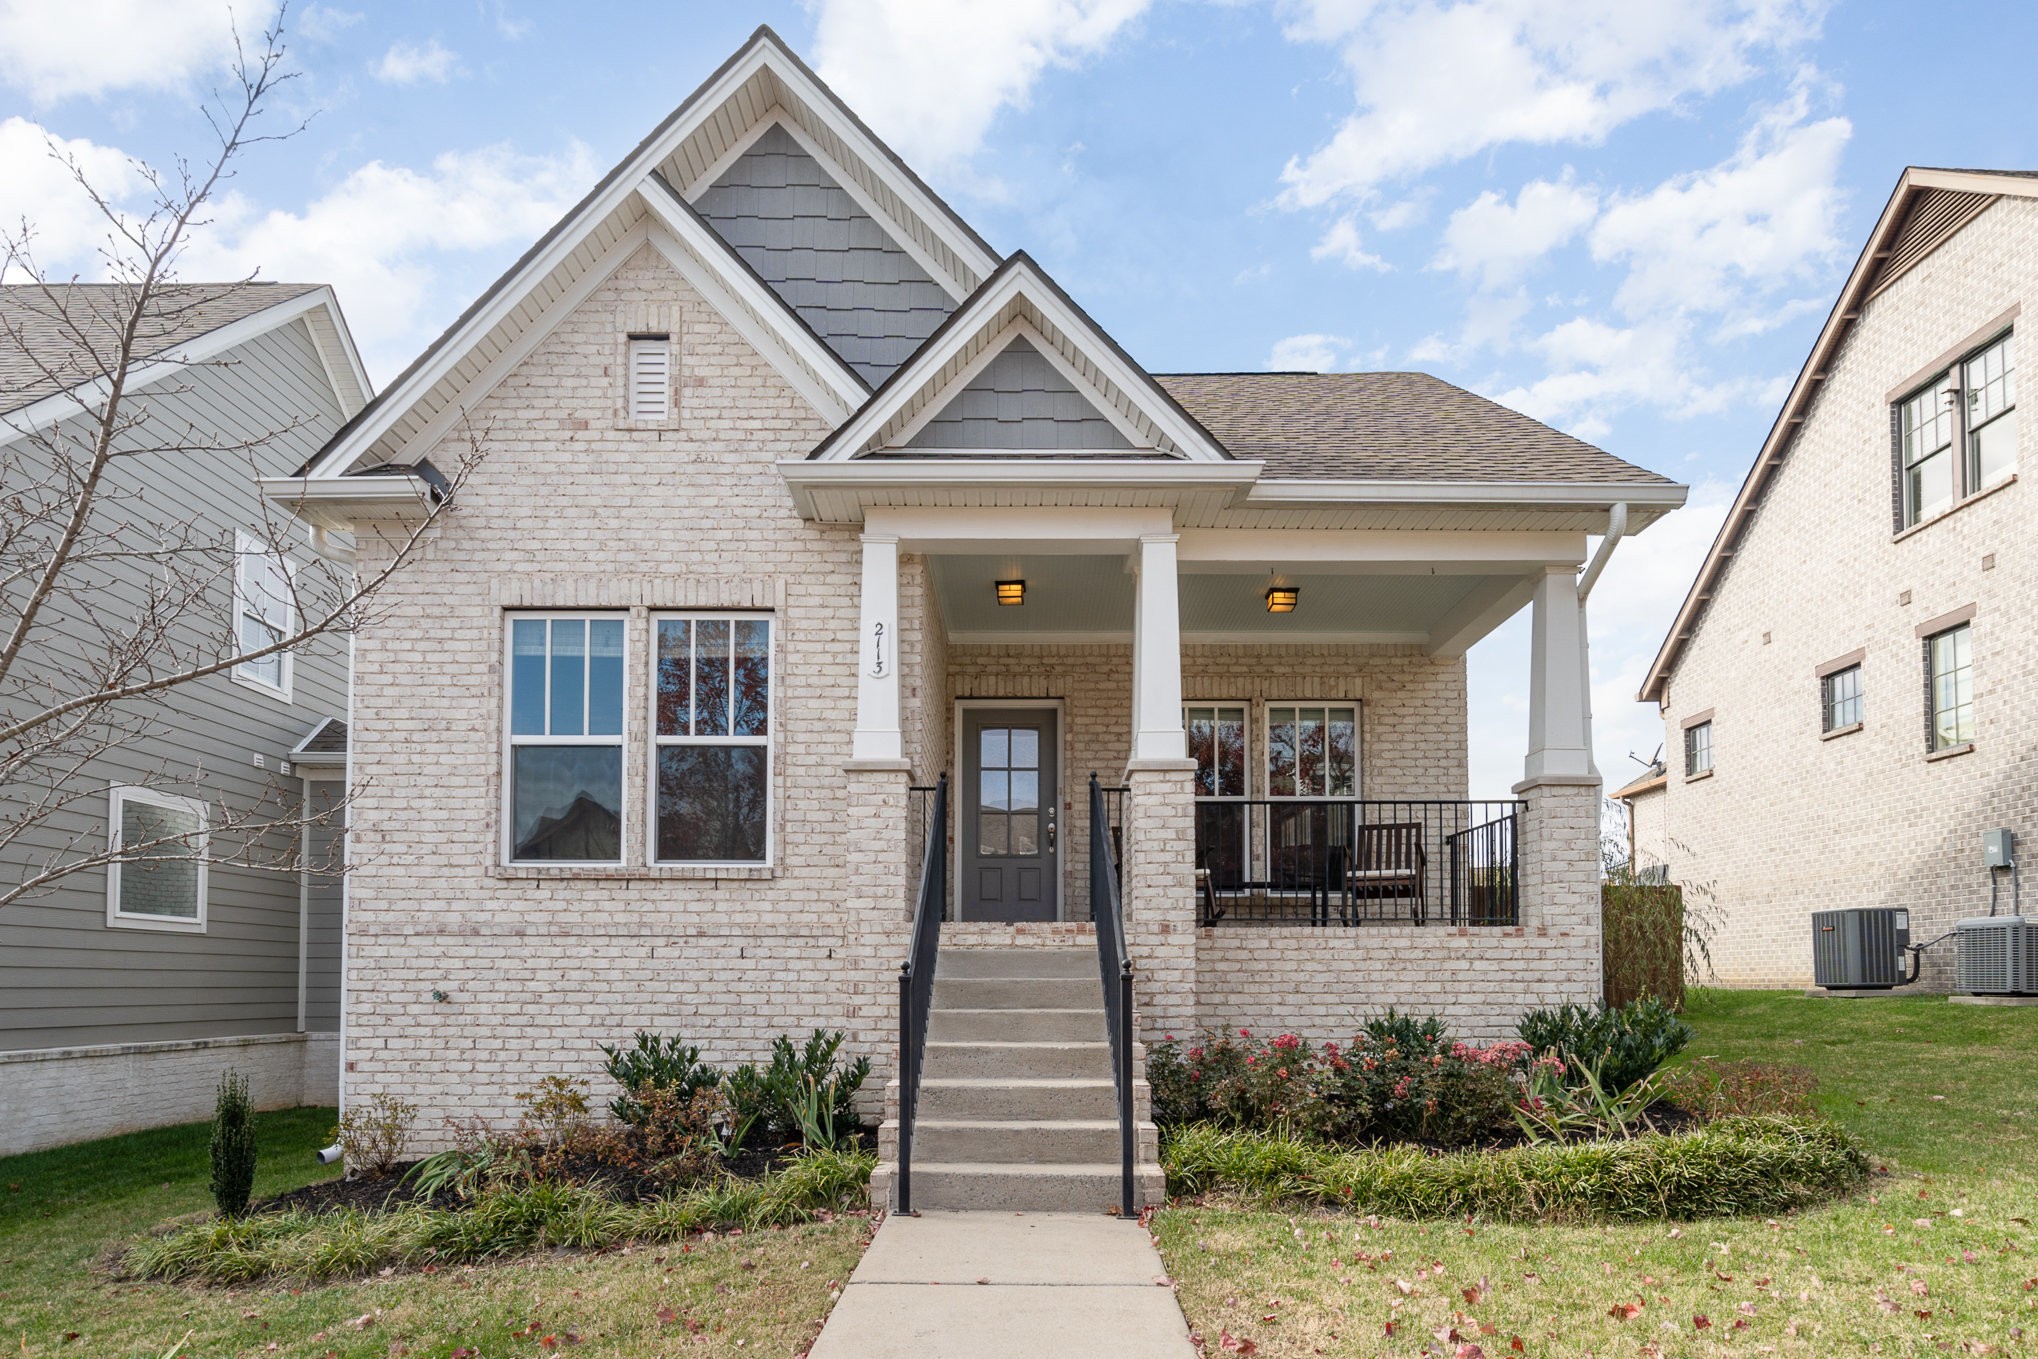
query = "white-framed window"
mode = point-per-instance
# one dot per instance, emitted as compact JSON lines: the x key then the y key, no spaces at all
{"x":713,"y":714}
{"x":1219,"y":745}
{"x":563,"y":756}
{"x":1312,"y":750}
{"x":649,"y":381}
{"x":1957,"y":435}
{"x":262,"y":614}
{"x":1698,"y":749}
{"x":159,"y":882}
{"x":1949,"y":688}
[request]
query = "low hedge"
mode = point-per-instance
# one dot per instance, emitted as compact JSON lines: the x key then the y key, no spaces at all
{"x":509,"y":1221}
{"x":1735,"y":1167}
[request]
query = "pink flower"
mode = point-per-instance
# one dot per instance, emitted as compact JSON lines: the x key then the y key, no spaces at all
{"x":1245,"y":1033}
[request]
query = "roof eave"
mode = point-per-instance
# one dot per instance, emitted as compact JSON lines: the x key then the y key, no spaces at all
{"x":338,"y":504}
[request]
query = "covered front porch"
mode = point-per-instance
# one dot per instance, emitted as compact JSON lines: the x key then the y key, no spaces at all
{"x":1285,"y":787}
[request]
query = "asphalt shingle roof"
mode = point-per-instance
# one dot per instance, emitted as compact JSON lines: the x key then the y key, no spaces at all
{"x":52,"y":339}
{"x":1386,"y":426}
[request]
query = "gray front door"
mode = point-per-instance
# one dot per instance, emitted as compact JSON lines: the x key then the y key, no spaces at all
{"x":1009,"y":832}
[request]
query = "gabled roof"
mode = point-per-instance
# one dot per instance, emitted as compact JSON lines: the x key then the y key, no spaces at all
{"x":1386,"y":426}
{"x":647,"y":196}
{"x":56,"y":339}
{"x":1926,"y":208}
{"x":1020,"y":300}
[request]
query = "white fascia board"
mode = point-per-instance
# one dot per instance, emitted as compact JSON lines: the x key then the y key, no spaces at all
{"x":348,"y":356}
{"x":339,"y":503}
{"x":1973,"y":181}
{"x":1655,"y":497}
{"x":1481,"y":550}
{"x":87,"y":395}
{"x":711,"y":252}
{"x":1160,"y":475}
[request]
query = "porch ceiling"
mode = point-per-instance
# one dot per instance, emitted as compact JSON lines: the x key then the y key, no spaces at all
{"x":1090,"y":598}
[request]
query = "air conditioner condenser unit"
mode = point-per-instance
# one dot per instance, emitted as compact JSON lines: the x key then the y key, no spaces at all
{"x":1860,"y":949}
{"x":1998,"y":956}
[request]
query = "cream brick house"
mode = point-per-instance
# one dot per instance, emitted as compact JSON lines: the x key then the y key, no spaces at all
{"x":795,"y":496}
{"x":1846,"y":691}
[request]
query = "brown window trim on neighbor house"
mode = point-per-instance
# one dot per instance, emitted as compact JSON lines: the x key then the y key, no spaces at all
{"x":1838,"y":665}
{"x":1927,"y":633}
{"x":1949,"y":363}
{"x":1698,"y":719}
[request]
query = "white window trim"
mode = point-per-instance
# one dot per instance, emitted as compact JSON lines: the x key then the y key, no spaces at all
{"x":1266,"y":725}
{"x":1253,"y":779}
{"x":121,"y":793}
{"x":506,"y":812}
{"x":769,"y":741}
{"x":246,"y":545}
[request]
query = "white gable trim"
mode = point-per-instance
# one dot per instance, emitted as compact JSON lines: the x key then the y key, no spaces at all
{"x":999,"y":342}
{"x":86,"y":396}
{"x":955,"y":287}
{"x":1020,"y":281}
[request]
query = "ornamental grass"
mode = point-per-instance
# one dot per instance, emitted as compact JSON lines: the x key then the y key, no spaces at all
{"x":1735,"y":1167}
{"x":315,"y":1247}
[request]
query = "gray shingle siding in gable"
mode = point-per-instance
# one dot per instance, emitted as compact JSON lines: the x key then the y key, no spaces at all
{"x":1020,"y":400}
{"x":829,"y":259}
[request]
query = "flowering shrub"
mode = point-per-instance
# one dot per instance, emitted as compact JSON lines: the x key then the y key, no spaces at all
{"x":1397,"y":1080}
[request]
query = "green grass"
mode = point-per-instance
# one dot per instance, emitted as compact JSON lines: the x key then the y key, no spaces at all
{"x":64,"y":1212}
{"x":1952,"y":1216}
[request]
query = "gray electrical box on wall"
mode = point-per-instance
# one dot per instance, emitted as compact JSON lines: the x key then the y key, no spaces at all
{"x":1998,"y":848}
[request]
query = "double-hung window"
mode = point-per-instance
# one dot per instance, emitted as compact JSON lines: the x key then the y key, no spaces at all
{"x":1840,"y":698}
{"x":1957,"y":435}
{"x":1698,"y":749}
{"x":261,"y":614}
{"x":157,"y":878}
{"x":1218,"y":745}
{"x":565,"y":757}
{"x":1949,"y":688}
{"x":1312,"y":750}
{"x":713,"y":739}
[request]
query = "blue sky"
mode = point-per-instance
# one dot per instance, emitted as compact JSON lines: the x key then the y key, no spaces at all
{"x":1625,"y":217}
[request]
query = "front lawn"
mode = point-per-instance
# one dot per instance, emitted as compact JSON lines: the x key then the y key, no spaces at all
{"x":61,"y":1212}
{"x":1936,"y":1257}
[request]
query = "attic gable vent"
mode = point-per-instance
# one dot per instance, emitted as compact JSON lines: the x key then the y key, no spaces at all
{"x":650,"y":377}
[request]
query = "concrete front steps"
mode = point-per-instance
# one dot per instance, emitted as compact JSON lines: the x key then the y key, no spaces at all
{"x":1017,"y":1107}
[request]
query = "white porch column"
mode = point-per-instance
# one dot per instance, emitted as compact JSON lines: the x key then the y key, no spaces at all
{"x":877,"y":659}
{"x":1157,"y":655}
{"x":1560,"y":712}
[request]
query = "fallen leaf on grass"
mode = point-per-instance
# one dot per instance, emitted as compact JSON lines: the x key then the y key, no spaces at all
{"x":666,"y":1316}
{"x":1701,"y":1322}
{"x":1235,"y":1344}
{"x":1624,"y":1311}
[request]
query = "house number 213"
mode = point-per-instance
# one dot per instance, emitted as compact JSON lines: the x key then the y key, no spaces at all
{"x":877,"y":651}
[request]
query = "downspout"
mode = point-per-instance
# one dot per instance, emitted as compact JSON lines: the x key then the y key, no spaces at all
{"x":1616,"y":529}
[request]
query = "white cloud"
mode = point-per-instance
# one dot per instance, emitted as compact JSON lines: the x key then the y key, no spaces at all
{"x":1308,"y":353}
{"x":1407,"y":212}
{"x":1708,"y":241}
{"x":1436,"y":83}
{"x":389,"y":237}
{"x":1342,"y":243}
{"x":930,"y":75}
{"x":409,"y":63}
{"x":93,"y":47}
{"x":66,"y":230}
{"x":1498,"y":241}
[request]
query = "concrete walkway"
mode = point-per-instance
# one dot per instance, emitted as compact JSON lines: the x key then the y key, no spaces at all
{"x":989,"y":1285}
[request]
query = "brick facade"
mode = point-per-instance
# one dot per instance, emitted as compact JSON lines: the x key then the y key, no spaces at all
{"x":1790,"y":822}
{"x":469,"y":981}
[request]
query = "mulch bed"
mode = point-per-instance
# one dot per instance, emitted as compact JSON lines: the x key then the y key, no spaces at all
{"x":624,"y":1183}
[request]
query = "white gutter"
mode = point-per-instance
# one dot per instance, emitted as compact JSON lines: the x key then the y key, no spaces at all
{"x":1616,"y":529}
{"x":338,"y":503}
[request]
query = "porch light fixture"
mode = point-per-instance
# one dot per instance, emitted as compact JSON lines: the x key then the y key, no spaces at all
{"x":1011,"y":592}
{"x":1281,"y":598}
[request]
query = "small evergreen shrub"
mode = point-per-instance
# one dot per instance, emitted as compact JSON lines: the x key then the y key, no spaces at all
{"x":1737,"y":1167}
{"x":1623,"y":1045}
{"x":373,"y":1134}
{"x":805,"y":1095}
{"x":652,"y":1062}
{"x":233,"y":1146}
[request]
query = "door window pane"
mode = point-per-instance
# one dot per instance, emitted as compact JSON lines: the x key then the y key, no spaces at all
{"x":567,"y":803}
{"x":992,"y":835}
{"x":1025,"y":790}
{"x":994,"y":794}
{"x":1025,"y":832}
{"x":994,"y":747}
{"x":1025,"y":748}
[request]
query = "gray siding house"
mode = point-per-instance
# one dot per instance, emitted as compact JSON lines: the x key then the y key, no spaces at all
{"x":125,"y":990}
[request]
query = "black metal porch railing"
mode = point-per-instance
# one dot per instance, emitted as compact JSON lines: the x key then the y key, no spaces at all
{"x":1114,"y":817}
{"x":916,"y":982}
{"x":1345,"y":861}
{"x":1114,"y":968}
{"x":921,"y":819}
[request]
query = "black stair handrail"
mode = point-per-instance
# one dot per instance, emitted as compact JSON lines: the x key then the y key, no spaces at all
{"x":916,"y":982}
{"x":1114,"y":968}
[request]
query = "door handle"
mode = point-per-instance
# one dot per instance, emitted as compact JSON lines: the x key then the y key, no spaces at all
{"x":1050,"y":830}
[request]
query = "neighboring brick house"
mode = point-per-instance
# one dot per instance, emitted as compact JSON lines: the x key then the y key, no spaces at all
{"x":793,"y":495}
{"x":1845,"y":690}
{"x":125,"y":989}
